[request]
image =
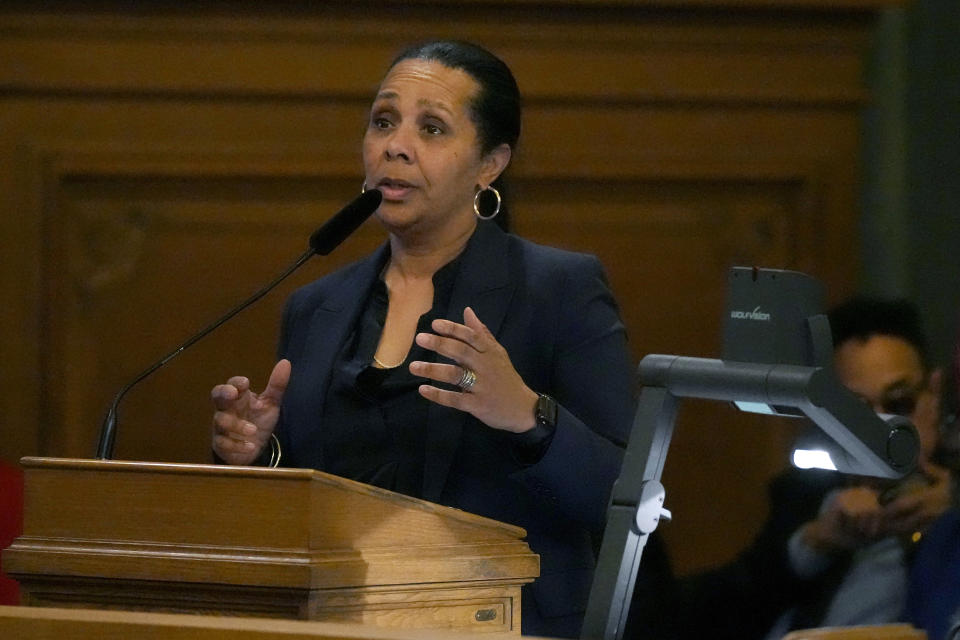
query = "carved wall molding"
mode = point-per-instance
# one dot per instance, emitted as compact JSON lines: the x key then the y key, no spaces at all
{"x":155,"y":166}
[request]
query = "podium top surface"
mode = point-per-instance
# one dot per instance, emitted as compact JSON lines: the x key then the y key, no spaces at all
{"x":249,"y":525}
{"x":277,"y":494}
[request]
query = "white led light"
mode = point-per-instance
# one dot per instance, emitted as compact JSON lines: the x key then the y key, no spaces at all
{"x":813,"y":459}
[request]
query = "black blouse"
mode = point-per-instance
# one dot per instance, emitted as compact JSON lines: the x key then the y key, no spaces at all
{"x":379,"y":435}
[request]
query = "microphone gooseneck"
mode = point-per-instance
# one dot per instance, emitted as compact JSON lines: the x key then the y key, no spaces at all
{"x":322,"y":241}
{"x":336,"y":229}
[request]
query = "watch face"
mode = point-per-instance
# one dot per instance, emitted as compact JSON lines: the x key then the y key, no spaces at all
{"x":546,"y":411}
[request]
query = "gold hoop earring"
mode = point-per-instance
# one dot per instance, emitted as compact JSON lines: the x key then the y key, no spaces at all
{"x":476,"y":203}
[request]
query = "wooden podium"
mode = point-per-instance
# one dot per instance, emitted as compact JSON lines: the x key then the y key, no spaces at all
{"x":44,"y":623}
{"x":286,"y":543}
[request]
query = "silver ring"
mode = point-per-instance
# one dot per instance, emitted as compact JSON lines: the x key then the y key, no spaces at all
{"x":467,"y":379}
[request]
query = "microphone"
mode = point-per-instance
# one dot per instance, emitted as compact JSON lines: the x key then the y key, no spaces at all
{"x":322,"y":241}
{"x":336,"y":229}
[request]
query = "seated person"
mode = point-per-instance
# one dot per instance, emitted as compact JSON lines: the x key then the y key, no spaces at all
{"x":833,"y":549}
{"x":933,"y":593}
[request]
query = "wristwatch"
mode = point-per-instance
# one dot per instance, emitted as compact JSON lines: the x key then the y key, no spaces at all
{"x":545,"y":411}
{"x":530,"y":445}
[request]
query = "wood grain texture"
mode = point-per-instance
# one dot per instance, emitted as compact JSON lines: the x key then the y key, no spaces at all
{"x":864,"y":632}
{"x":157,"y":166}
{"x":35,"y":623}
{"x":278,"y":542}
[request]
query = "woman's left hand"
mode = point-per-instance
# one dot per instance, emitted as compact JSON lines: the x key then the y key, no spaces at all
{"x":499,"y":398}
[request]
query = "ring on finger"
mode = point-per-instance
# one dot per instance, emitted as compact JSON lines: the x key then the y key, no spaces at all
{"x":467,"y":379}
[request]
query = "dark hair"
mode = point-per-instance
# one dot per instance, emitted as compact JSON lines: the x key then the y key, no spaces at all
{"x":862,"y":317}
{"x":495,"y":110}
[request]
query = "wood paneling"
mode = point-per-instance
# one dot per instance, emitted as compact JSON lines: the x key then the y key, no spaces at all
{"x":157,"y":166}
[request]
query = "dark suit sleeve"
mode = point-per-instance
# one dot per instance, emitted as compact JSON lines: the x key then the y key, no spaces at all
{"x":593,"y":381}
{"x":293,"y":316}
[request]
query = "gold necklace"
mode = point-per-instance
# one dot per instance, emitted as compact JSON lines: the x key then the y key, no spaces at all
{"x":384,"y":365}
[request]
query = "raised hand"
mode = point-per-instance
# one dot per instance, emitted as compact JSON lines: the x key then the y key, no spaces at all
{"x":498,"y":396}
{"x":851,"y":519}
{"x":244,"y":420}
{"x":918,"y":500}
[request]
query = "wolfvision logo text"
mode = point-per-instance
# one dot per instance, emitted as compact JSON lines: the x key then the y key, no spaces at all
{"x":756,"y":314}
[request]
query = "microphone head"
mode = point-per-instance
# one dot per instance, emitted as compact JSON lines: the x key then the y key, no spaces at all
{"x":344,"y":222}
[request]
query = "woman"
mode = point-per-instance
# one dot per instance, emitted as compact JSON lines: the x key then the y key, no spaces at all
{"x":458,"y":363}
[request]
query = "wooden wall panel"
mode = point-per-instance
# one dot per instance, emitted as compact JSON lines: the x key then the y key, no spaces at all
{"x":157,"y":166}
{"x":667,"y":245}
{"x":156,"y":257}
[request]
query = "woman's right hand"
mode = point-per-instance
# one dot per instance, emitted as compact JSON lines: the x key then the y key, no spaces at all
{"x":244,"y":420}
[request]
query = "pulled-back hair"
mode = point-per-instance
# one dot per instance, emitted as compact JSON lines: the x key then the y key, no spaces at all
{"x":496,"y":109}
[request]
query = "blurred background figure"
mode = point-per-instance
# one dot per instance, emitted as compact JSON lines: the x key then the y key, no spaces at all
{"x":835,"y":549}
{"x":933,"y":594}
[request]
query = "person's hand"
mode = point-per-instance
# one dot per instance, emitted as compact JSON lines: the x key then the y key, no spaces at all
{"x":499,"y":398}
{"x":244,"y":420}
{"x":926,"y":415}
{"x":852,"y":519}
{"x":918,"y":502}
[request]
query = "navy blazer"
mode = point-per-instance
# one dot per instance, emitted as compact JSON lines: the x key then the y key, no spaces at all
{"x":553,"y":312}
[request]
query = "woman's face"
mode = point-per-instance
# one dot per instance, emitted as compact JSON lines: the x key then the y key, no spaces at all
{"x":421,"y":148}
